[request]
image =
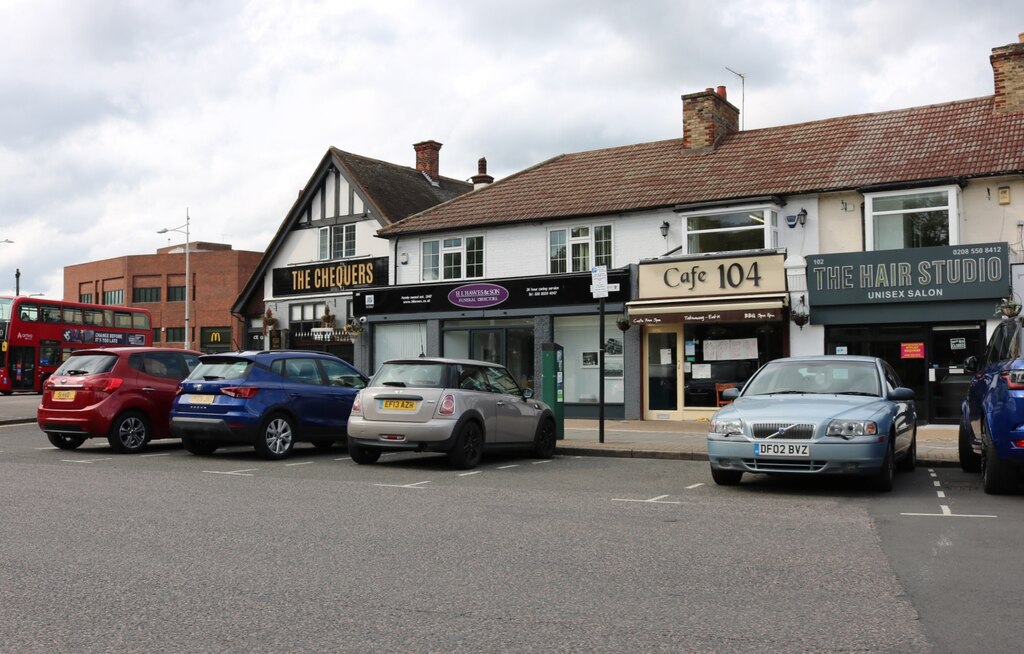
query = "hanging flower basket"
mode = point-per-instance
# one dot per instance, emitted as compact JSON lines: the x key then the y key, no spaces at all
{"x":1007,"y":308}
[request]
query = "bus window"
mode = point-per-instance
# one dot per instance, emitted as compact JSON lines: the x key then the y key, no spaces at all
{"x":49,"y":351}
{"x":28,"y":312}
{"x":108,"y":318}
{"x":93,"y":317}
{"x":140,"y":320}
{"x":50,"y":314}
{"x":122,"y":319}
{"x":72,"y":316}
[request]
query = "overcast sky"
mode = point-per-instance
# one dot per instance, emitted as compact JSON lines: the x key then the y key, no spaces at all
{"x":117,"y":116}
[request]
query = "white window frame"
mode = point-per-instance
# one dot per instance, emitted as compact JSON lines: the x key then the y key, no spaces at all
{"x":433,"y":266}
{"x":325,"y":242}
{"x":769,"y":230}
{"x":588,"y":240}
{"x":954,"y":207}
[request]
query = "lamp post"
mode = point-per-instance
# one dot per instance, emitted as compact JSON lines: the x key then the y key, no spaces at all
{"x":188,"y":281}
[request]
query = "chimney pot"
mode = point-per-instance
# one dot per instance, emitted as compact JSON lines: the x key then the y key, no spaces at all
{"x":481,"y":178}
{"x":721,"y":92}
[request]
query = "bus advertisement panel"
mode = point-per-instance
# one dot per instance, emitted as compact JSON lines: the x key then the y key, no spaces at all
{"x":37,"y":335}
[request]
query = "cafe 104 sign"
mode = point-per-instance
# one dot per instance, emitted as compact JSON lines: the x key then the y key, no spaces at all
{"x":962,"y":272}
{"x":713,"y":277}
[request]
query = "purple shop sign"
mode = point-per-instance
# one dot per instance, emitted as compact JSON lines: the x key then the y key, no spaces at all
{"x":478,"y":296}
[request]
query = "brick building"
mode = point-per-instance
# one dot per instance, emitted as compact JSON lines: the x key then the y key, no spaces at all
{"x":157,"y":282}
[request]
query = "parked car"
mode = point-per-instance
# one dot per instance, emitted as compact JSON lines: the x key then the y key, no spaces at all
{"x":992,"y":413}
{"x":123,"y":394}
{"x":267,"y":399}
{"x":459,"y":407}
{"x":816,"y":415}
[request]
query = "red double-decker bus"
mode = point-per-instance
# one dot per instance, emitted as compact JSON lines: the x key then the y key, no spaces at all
{"x":37,"y":335}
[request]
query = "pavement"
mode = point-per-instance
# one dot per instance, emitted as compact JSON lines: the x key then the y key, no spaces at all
{"x":638,"y":439}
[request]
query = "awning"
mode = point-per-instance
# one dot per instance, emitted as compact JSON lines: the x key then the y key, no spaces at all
{"x":752,"y":309}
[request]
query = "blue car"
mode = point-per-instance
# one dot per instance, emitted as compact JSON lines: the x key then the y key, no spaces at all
{"x":268,"y":399}
{"x":846,"y":415}
{"x":992,"y":414}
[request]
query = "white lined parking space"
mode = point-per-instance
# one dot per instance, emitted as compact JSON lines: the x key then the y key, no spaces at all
{"x":944,"y":510}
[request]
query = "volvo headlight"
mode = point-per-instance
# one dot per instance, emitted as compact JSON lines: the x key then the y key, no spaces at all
{"x":727,"y":427}
{"x":852,"y":428}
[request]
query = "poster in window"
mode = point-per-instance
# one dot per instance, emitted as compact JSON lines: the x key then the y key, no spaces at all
{"x":588,"y":359}
{"x":613,"y":366}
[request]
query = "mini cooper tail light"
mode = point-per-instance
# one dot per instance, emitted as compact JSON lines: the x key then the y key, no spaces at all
{"x":357,"y":405}
{"x":1014,"y":380}
{"x":447,"y":406}
{"x":241,"y":392}
{"x":103,"y":385}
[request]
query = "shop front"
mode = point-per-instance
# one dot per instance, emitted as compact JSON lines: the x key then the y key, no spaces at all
{"x":707,"y":325}
{"x":507,"y":321}
{"x":924,"y":310}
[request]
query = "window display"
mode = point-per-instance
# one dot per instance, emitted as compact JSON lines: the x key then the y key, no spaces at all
{"x":578,"y":335}
{"x":725,"y":355}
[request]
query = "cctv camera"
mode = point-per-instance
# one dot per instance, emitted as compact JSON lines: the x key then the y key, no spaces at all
{"x":362,"y":320}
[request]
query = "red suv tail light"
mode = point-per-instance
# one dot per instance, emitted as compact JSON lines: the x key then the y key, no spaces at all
{"x":1014,"y":380}
{"x":447,"y":406}
{"x":103,"y":385}
{"x":241,"y":392}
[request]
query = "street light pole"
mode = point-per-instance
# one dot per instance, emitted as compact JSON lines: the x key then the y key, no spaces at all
{"x":188,"y":281}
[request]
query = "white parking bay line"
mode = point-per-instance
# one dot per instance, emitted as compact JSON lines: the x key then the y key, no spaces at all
{"x":654,"y":500}
{"x":238,"y":473}
{"x":692,"y":486}
{"x":344,"y":458}
{"x":160,"y":454}
{"x":540,"y":462}
{"x":298,"y":463}
{"x":946,"y":513}
{"x":418,"y":485}
{"x":86,"y":460}
{"x":514,"y":465}
{"x":466,"y":474}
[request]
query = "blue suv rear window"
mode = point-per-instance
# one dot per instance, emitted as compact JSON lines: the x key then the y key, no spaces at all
{"x":214,"y":369}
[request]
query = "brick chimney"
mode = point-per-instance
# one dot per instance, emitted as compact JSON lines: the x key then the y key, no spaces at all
{"x":427,"y":159}
{"x":708,"y":118}
{"x":1008,"y":70}
{"x":481,"y":179}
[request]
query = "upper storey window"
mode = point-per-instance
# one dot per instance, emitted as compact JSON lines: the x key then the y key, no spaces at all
{"x":912,"y":219}
{"x":453,"y":258}
{"x":580,"y":248}
{"x":755,"y":228}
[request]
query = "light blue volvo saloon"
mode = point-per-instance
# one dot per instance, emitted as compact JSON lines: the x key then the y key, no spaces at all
{"x":816,"y":415}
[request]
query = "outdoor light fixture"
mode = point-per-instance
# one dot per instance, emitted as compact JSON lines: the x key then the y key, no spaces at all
{"x":801,"y":217}
{"x":664,"y":229}
{"x":188,"y":285}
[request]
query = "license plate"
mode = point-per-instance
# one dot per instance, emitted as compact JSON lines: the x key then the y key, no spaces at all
{"x":200,"y":399}
{"x":65,"y":396}
{"x":399,"y":405}
{"x":782,"y":449}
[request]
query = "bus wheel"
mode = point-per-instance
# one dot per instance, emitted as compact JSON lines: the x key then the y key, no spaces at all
{"x":64,"y":441}
{"x":129,"y":433}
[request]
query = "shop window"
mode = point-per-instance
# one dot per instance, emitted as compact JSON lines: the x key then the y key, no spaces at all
{"x":453,"y":258}
{"x":753,"y":228}
{"x":578,"y":335}
{"x":302,"y":318}
{"x":912,"y":219}
{"x":578,"y":249}
{"x":337,"y":242}
{"x":723,"y":355}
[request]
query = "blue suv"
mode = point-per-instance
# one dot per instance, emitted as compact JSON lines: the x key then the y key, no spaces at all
{"x":268,"y":399}
{"x":992,"y":415}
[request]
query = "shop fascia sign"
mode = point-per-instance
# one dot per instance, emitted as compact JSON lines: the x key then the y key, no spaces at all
{"x":330,"y":277}
{"x":961,"y":272}
{"x":707,"y":277}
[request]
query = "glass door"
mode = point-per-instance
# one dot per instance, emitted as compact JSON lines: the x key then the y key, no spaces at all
{"x":663,"y":391}
{"x":947,"y":379}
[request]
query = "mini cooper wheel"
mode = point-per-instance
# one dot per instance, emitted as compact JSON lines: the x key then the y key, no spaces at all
{"x":129,"y":433}
{"x":276,"y":437}
{"x":198,"y":446}
{"x":363,"y":455}
{"x":544,"y":441}
{"x":64,"y":441}
{"x":469,"y":447}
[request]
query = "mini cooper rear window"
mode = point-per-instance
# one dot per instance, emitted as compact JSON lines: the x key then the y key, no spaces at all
{"x":411,"y":374}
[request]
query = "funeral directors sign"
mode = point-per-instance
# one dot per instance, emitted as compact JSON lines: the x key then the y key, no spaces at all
{"x":330,"y":277}
{"x":493,"y":294}
{"x":963,"y":272}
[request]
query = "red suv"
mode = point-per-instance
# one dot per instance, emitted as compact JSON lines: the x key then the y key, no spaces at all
{"x":121,"y":393}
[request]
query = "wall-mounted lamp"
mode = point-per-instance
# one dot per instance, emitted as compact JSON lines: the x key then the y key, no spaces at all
{"x":799,"y":314}
{"x":801,"y":217}
{"x":664,"y":229}
{"x":403,"y":258}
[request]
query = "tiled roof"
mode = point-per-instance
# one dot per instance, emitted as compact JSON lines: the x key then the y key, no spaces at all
{"x":956,"y":139}
{"x":397,"y":191}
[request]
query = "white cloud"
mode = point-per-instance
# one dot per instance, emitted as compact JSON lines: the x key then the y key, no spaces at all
{"x":118,"y":116}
